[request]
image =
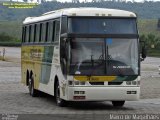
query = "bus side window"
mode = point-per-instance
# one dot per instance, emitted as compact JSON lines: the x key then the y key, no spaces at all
{"x":40,"y":35}
{"x":46,"y":32}
{"x":31,"y":33}
{"x":35,"y":28}
{"x":57,"y":30}
{"x":29,"y":40}
{"x":43,"y":32}
{"x":50,"y":31}
{"x":53,"y":33}
{"x":27,"y":34}
{"x":23,"y":34}
{"x":37,"y":36}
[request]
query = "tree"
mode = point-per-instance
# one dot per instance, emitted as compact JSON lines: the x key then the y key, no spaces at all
{"x":152,"y":40}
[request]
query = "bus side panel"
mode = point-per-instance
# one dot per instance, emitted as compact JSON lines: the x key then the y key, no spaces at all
{"x":25,"y":64}
{"x":37,"y":59}
{"x":32,"y":61}
{"x":49,"y":69}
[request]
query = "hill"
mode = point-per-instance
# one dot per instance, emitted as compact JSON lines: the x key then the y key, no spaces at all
{"x":146,"y":10}
{"x":13,"y":28}
{"x":148,"y":26}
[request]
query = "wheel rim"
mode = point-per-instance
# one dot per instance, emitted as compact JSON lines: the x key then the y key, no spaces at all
{"x":30,"y":87}
{"x":58,"y":95}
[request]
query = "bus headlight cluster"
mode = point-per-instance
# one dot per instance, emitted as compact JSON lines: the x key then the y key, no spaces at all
{"x":132,"y":82}
{"x":74,"y":82}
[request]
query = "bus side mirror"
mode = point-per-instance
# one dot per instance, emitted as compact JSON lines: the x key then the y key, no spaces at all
{"x":143,"y":50}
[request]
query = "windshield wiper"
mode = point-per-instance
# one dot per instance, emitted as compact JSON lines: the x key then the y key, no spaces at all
{"x":92,"y":61}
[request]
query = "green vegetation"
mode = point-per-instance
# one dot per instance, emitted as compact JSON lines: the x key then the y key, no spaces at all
{"x":10,"y":34}
{"x":148,"y":14}
{"x":11,"y":28}
{"x":153,"y":52}
{"x":148,"y":26}
{"x":151,"y":35}
{"x":152,"y":44}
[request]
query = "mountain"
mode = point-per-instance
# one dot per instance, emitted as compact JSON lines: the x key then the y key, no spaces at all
{"x":11,"y":19}
{"x":146,"y":10}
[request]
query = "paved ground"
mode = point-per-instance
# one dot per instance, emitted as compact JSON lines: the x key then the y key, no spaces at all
{"x":14,"y":97}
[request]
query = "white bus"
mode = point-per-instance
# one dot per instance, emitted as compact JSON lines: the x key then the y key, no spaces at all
{"x":82,"y":54}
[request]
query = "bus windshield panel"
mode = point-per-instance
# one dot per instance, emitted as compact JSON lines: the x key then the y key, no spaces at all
{"x":104,"y":56}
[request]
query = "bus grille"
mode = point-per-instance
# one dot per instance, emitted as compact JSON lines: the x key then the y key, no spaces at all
{"x":96,"y":83}
{"x":115,"y":83}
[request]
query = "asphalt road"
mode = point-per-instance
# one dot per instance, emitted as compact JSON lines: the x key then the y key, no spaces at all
{"x":14,"y":97}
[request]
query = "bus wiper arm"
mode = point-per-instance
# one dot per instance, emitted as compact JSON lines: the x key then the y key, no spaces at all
{"x":92,"y":61}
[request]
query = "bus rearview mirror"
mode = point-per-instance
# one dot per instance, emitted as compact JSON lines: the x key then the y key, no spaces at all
{"x":143,"y":50}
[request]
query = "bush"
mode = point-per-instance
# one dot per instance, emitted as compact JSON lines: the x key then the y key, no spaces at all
{"x":6,"y":40}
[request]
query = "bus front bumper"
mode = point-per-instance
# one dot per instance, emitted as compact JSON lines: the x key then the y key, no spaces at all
{"x":103,"y":93}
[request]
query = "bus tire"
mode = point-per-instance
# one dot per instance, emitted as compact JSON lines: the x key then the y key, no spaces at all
{"x":60,"y":102}
{"x":118,"y":103}
{"x":33,"y":92}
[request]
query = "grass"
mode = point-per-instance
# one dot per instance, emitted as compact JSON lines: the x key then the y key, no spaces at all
{"x":153,"y":52}
{"x":11,"y":44}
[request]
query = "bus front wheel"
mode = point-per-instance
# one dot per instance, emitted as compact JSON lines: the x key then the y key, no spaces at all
{"x":118,"y":103}
{"x":60,"y":102}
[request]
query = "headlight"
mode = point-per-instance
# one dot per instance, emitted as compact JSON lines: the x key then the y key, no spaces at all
{"x":76,"y":82}
{"x":128,"y":82}
{"x":132,"y":82}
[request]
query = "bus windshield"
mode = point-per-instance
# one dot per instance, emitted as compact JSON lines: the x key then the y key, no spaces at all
{"x":104,"y":56}
{"x":102,"y":25}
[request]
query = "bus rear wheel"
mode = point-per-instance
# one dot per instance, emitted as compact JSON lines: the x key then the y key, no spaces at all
{"x":118,"y":103}
{"x":33,"y":92}
{"x":60,"y":102}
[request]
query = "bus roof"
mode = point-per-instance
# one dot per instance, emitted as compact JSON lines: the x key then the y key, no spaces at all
{"x":88,"y":11}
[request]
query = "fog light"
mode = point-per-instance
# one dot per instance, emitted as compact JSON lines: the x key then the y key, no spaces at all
{"x":128,"y":82}
{"x":134,"y":82}
{"x":76,"y":92}
{"x":82,"y":83}
{"x":81,"y":92}
{"x":133,"y":92}
{"x":76,"y":82}
{"x":128,"y":92}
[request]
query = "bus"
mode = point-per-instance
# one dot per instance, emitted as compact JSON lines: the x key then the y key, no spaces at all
{"x":82,"y":54}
